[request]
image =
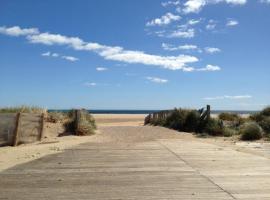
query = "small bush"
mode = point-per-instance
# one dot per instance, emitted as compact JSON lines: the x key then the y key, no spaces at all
{"x":251,"y":131}
{"x":214,"y":127}
{"x":266,"y":112}
{"x":55,"y":117}
{"x":85,"y":126}
{"x":228,"y":132}
{"x":265,"y":124}
{"x":228,"y":116}
{"x":159,"y":122}
{"x":263,"y":119}
{"x":176,"y":120}
{"x":192,"y":121}
{"x":90,"y":120}
{"x":257,"y":117}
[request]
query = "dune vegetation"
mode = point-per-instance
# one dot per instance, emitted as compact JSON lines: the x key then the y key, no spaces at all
{"x":255,"y":127}
{"x":23,"y":109}
{"x":85,"y":126}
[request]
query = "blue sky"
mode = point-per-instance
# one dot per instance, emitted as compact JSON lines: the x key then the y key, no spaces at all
{"x":135,"y":54}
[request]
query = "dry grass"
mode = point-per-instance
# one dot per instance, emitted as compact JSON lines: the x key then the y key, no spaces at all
{"x":23,"y":109}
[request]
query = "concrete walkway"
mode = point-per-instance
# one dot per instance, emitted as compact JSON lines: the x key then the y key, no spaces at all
{"x":159,"y":169}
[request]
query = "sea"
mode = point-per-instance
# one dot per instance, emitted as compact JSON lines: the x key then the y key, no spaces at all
{"x":152,"y":111}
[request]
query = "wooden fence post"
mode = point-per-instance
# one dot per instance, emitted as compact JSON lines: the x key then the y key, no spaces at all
{"x":42,"y":123}
{"x":208,"y":112}
{"x":16,"y":130}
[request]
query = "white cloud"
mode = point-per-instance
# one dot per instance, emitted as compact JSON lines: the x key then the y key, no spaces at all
{"x":232,"y":22}
{"x":101,"y":68}
{"x":189,"y":69}
{"x":90,"y":84}
{"x":228,"y":97}
{"x":169,"y":3}
{"x":190,"y":33}
{"x":56,"y":55}
{"x":170,"y":47}
{"x":209,"y":68}
{"x":193,"y":21}
{"x":211,"y":24}
{"x":70,"y":58}
{"x":164,"y":20}
{"x":55,"y":39}
{"x":265,"y":1}
{"x":46,"y":54}
{"x":114,"y":53}
{"x":17,"y":31}
{"x":156,"y":79}
{"x":195,"y":6}
{"x":212,"y":50}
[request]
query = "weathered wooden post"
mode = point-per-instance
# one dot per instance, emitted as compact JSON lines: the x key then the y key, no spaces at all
{"x":16,"y":130}
{"x":42,"y":126}
{"x":208,"y":110}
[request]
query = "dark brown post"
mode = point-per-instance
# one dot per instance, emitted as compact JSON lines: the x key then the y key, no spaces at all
{"x":16,"y":130}
{"x":42,"y":123}
{"x":208,"y":112}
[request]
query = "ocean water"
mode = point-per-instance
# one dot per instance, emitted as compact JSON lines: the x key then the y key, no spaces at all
{"x":152,"y":111}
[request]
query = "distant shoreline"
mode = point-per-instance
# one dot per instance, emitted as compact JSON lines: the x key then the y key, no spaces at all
{"x":95,"y":111}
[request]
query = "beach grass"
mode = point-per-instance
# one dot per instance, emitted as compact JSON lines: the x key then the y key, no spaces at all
{"x":23,"y":109}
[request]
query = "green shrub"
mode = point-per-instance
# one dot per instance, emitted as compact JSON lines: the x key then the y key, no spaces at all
{"x":257,"y":117}
{"x":176,"y":119}
{"x":228,"y":116}
{"x":85,"y":126}
{"x":229,"y":132}
{"x":266,"y":111}
{"x":90,"y":119}
{"x":192,"y":121}
{"x":214,"y":127}
{"x":263,"y":119}
{"x":260,"y":116}
{"x":159,"y":122}
{"x":265,"y":124}
{"x":251,"y":131}
{"x":231,"y":120}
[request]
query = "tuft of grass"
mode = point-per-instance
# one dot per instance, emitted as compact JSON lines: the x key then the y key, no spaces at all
{"x":23,"y":109}
{"x":214,"y":127}
{"x":85,"y":126}
{"x":55,"y":117}
{"x":192,"y":121}
{"x":229,"y":132}
{"x":263,"y":119}
{"x":266,"y":111}
{"x":176,"y":119}
{"x":251,"y":131}
{"x":228,"y":116}
{"x":265,"y":124}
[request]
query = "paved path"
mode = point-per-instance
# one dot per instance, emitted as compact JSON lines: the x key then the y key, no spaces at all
{"x":161,"y":169}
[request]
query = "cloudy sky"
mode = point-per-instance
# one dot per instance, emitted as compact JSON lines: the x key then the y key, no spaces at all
{"x":135,"y":54}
